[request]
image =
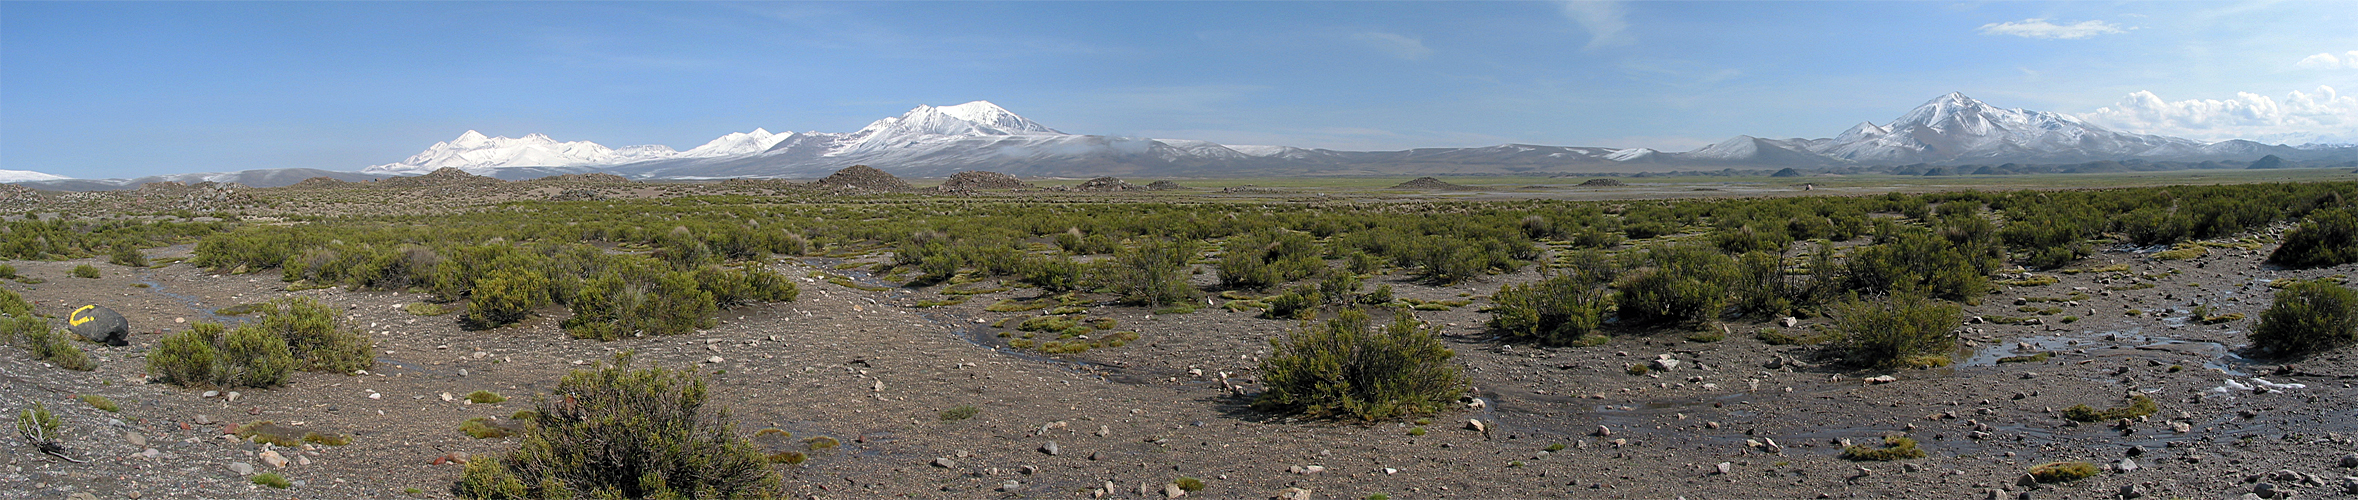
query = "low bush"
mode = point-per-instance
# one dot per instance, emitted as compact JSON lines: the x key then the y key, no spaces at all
{"x":2139,"y":406}
{"x":2057,"y":472}
{"x":128,"y":256}
{"x":1344,"y":368}
{"x":1560,"y":310}
{"x":485,"y":397}
{"x":1677,"y":284}
{"x":2307,"y":317}
{"x":101,"y":402}
{"x":1894,"y":448}
{"x":961,"y":412}
{"x":505,"y":296}
{"x":618,"y":432}
{"x":86,"y":271}
{"x":49,"y":344}
{"x":1151,"y":272}
{"x":292,"y":334}
{"x":1898,"y":330}
{"x":271,"y":479}
{"x":2327,"y":238}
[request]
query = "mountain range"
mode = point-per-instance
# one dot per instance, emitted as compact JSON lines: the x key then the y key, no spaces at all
{"x":931,"y":141}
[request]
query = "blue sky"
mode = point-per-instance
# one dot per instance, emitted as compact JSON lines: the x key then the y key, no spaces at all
{"x":113,"y":89}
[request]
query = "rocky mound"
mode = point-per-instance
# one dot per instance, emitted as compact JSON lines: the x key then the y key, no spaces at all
{"x":586,"y":178}
{"x":320,"y":183}
{"x":974,"y":180}
{"x":865,"y":177}
{"x":1790,"y":172}
{"x":445,"y":176}
{"x":1164,"y":186}
{"x":1602,"y":183}
{"x":15,"y":193}
{"x":1105,"y":184}
{"x":1428,"y":183}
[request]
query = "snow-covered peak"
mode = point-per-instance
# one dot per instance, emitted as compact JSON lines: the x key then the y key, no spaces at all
{"x":983,"y":112}
{"x":475,"y":153}
{"x":738,"y":143}
{"x":1862,"y":131}
{"x":1631,"y":154}
{"x":28,"y":175}
{"x":978,"y":118}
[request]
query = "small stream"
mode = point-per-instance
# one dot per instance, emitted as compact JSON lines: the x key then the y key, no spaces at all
{"x":2133,"y":342}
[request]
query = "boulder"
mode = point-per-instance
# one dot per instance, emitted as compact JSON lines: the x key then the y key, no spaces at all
{"x":99,"y":324}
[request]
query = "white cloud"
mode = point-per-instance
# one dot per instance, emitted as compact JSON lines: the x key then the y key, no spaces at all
{"x":1604,"y":21}
{"x":2320,"y":116}
{"x":2040,"y":28}
{"x":2327,"y":60}
{"x":1397,"y":45}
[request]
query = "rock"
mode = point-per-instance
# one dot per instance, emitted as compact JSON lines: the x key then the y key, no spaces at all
{"x":2135,"y":451}
{"x":232,"y":396}
{"x":1788,"y":321}
{"x":1991,"y":494}
{"x":879,"y":387}
{"x":2126,"y":465}
{"x":718,"y":360}
{"x":1173,"y":491}
{"x":2027,"y":481}
{"x":1665,"y":363}
{"x":202,"y":419}
{"x":1881,"y":379}
{"x":1050,"y":448}
{"x":99,"y":324}
{"x":274,"y":459}
{"x":2132,"y":491}
{"x":1293,"y":494}
{"x":446,"y":397}
{"x":2350,"y":460}
{"x":2350,"y":485}
{"x":1093,"y":456}
{"x":1103,"y":431}
{"x":2268,"y":490}
{"x":1011,"y":486}
{"x":1724,"y":468}
{"x":209,"y":394}
{"x":2182,"y":427}
{"x":1602,"y":431}
{"x":81,"y":495}
{"x":136,"y":440}
{"x":1911,"y":467}
{"x":1308,"y":469}
{"x":945,"y":463}
{"x":1476,"y":425}
{"x":241,"y":468}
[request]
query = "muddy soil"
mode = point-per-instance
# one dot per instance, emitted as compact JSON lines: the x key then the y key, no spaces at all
{"x":875,"y":371}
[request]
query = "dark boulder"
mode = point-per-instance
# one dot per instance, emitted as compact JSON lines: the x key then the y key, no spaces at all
{"x":99,"y":324}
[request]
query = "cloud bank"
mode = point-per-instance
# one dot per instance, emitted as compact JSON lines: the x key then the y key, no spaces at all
{"x":2040,"y":28}
{"x":2323,"y":116}
{"x":2327,"y":60}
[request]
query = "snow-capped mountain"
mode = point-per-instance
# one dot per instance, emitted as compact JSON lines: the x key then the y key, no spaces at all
{"x":935,"y":141}
{"x":477,"y":154}
{"x":28,"y":175}
{"x":1955,"y":128}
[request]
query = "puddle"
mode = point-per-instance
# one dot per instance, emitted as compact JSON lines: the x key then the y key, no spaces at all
{"x":206,"y":313}
{"x":2134,"y":342}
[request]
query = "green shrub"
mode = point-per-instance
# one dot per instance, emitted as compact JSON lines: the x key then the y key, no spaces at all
{"x":2326,"y":238}
{"x":2057,"y":472}
{"x":1679,"y":283}
{"x":1560,"y":310}
{"x":7,"y":271}
{"x":1894,"y":448}
{"x":1895,"y":331}
{"x":484,"y":428}
{"x":961,"y":412}
{"x":85,"y":271}
{"x":1151,"y":272}
{"x":1189,"y":484}
{"x":485,"y":397}
{"x":37,"y":425}
{"x":271,"y":479}
{"x":2307,"y":317}
{"x":255,"y":358}
{"x":315,"y":336}
{"x":54,"y":346}
{"x":292,"y":334}
{"x":128,"y":256}
{"x":1346,"y":369}
{"x":188,"y":358}
{"x":101,"y":402}
{"x":1268,"y":258}
{"x":2139,"y":406}
{"x":505,"y":296}
{"x":617,"y":432}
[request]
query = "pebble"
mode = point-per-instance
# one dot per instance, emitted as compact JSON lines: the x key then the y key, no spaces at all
{"x":232,"y":396}
{"x":2126,"y":465}
{"x":135,"y":439}
{"x":714,"y":360}
{"x":202,"y":419}
{"x":274,"y":459}
{"x":945,"y":463}
{"x":1725,"y":468}
{"x":241,"y":468}
{"x":1173,"y":491}
{"x":210,"y":394}
{"x":2265,"y":489}
{"x":1294,"y":494}
{"x":1882,"y":379}
{"x":1602,"y":431}
{"x":1011,"y":486}
{"x":1050,"y":449}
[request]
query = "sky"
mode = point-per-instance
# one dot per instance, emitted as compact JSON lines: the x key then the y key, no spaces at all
{"x":126,"y":89}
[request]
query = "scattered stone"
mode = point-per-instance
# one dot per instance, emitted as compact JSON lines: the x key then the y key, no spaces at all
{"x":1602,"y":431}
{"x":274,"y":459}
{"x":2350,"y":485}
{"x":1881,"y":379}
{"x":1788,"y":321}
{"x":945,"y":463}
{"x":1665,"y":363}
{"x":2267,"y":490}
{"x":135,"y":439}
{"x":2182,"y":427}
{"x":1289,"y":493}
{"x":209,"y":394}
{"x":1011,"y":486}
{"x":2027,"y":481}
{"x":1050,"y":449}
{"x":1173,"y":491}
{"x":241,"y":468}
{"x":2350,"y":460}
{"x":717,"y":359}
{"x":202,"y":419}
{"x":1725,"y":468}
{"x":2132,"y":490}
{"x":1476,"y":425}
{"x":1103,"y":431}
{"x":2126,"y":465}
{"x":232,"y":395}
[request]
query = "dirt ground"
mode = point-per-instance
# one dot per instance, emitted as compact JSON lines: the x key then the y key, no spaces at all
{"x":874,"y":371}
